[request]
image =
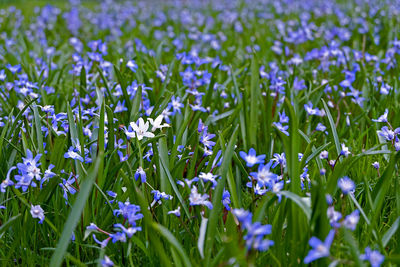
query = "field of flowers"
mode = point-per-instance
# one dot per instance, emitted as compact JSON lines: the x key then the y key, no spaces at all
{"x":200,"y":133}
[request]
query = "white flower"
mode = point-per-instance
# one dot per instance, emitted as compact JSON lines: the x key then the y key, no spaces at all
{"x":157,"y":123}
{"x":141,"y":129}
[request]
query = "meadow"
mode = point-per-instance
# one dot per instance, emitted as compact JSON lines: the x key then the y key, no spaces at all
{"x":199,"y":133}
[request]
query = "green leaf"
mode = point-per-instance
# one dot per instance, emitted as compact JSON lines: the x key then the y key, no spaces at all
{"x":333,"y":129}
{"x":173,"y":241}
{"x":389,"y":233}
{"x":301,"y":202}
{"x":254,"y":102}
{"x":217,"y":196}
{"x":75,"y":214}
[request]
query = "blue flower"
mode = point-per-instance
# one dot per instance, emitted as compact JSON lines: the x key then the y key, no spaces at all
{"x":387,"y":133}
{"x":351,"y":220}
{"x":282,"y":128}
{"x":176,"y":212}
{"x":118,"y":236}
{"x":37,"y":212}
{"x":103,"y":243}
{"x":67,"y":186}
{"x":140,"y":173}
{"x":226,"y":199}
{"x":320,"y":249}
{"x":129,"y":211}
{"x":345,"y":151}
{"x":196,"y":199}
{"x":382,"y":118}
{"x":160,"y":195}
{"x":106,"y":262}
{"x":72,"y":154}
{"x":256,"y":232}
{"x":7,"y":182}
{"x":251,"y":158}
{"x":130,"y":231}
{"x":346,"y":185}
{"x":209,"y":177}
{"x":373,"y":256}
{"x":333,"y":216}
{"x":264,"y":176}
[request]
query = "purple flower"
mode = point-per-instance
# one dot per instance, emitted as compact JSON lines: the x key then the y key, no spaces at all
{"x":106,"y":262}
{"x":226,"y":199}
{"x":72,"y":154}
{"x":320,"y":249}
{"x":387,"y":133}
{"x":7,"y":182}
{"x":251,"y":158}
{"x":382,"y":118}
{"x":176,"y":212}
{"x":351,"y":220}
{"x":373,"y":256}
{"x":196,"y":199}
{"x":333,"y":216}
{"x":345,"y":151}
{"x":281,"y":128}
{"x":346,"y":185}
{"x":37,"y":212}
{"x":375,"y":165}
{"x":103,"y":243}
{"x":129,"y":211}
{"x":130,"y":231}
{"x":132,"y":65}
{"x":140,"y":173}
{"x":209,"y":177}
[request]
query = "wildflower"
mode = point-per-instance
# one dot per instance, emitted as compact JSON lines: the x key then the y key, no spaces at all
{"x":7,"y":182}
{"x":264,"y":176}
{"x":72,"y":154}
{"x":176,"y":105}
{"x":160,"y":195}
{"x":345,"y":151}
{"x":132,"y":65}
{"x":283,"y":118}
{"x":251,"y":158}
{"x":140,"y":172}
{"x":205,"y":139}
{"x":373,"y":256}
{"x":375,"y":165}
{"x":387,"y":133}
{"x":141,"y":129}
{"x":176,"y":212}
{"x":255,"y":231}
{"x":118,"y":236}
{"x":334,"y":217}
{"x":320,"y":249}
{"x":324,"y":155}
{"x":67,"y":186}
{"x":209,"y":177}
{"x":196,"y":199}
{"x":37,"y":212}
{"x":226,"y":199}
{"x":129,"y":211}
{"x":106,"y":262}
{"x":280,"y":159}
{"x":346,"y":185}
{"x":382,"y":118}
{"x":351,"y":220}
{"x":103,"y":243}
{"x":282,"y":128}
{"x":157,"y":123}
